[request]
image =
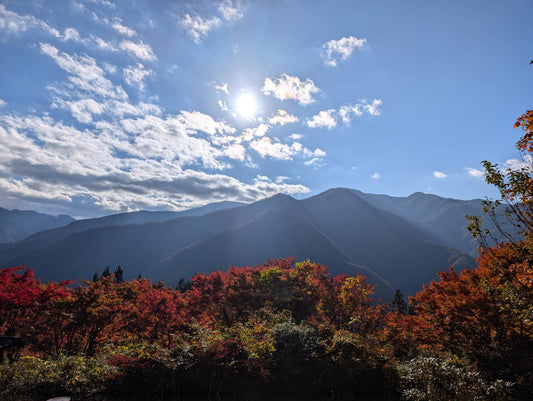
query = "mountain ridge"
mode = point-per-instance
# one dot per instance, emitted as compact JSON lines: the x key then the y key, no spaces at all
{"x":344,"y":229}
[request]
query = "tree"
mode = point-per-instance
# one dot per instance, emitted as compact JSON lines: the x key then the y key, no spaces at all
{"x":398,"y":303}
{"x":119,"y":275}
{"x":515,"y":186}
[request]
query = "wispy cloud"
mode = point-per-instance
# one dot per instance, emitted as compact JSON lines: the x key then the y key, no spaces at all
{"x":222,"y":87}
{"x":330,"y":118}
{"x":375,"y":176}
{"x":13,"y":23}
{"x":134,"y":75}
{"x":335,"y":50}
{"x":439,"y":174}
{"x":282,"y":118}
{"x":230,"y":11}
{"x":140,"y":50}
{"x":198,"y":27}
{"x":290,"y":87}
{"x":474,"y":172}
{"x":124,"y":30}
{"x":85,"y":73}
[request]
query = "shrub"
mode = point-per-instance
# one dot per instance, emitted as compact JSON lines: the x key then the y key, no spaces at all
{"x":66,"y":375}
{"x":429,"y":378}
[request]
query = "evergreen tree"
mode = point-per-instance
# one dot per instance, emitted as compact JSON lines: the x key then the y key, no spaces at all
{"x":399,"y":304}
{"x":106,"y":272}
{"x":95,"y":277}
{"x":183,"y":285}
{"x":119,"y":275}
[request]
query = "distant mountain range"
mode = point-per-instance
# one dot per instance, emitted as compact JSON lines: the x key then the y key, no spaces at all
{"x":16,"y":225}
{"x":395,"y":242}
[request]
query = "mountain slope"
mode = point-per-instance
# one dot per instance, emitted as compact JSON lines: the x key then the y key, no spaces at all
{"x":48,"y":237}
{"x":338,"y":228}
{"x":73,"y":252}
{"x":16,"y":225}
{"x":401,"y":252}
{"x":276,"y":233}
{"x":443,"y":217}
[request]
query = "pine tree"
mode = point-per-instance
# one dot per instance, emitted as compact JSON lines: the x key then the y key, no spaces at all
{"x":119,"y":275}
{"x":399,"y":304}
{"x":106,"y":272}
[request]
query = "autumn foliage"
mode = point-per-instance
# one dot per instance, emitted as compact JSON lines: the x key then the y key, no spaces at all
{"x":287,"y":328}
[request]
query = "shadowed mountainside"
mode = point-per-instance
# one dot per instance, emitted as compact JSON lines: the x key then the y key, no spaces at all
{"x":16,"y":225}
{"x":339,"y":228}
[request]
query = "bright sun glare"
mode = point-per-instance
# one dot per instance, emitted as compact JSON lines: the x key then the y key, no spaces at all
{"x":246,"y":105}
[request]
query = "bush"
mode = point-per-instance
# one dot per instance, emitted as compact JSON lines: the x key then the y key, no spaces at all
{"x":429,"y":378}
{"x":63,"y":375}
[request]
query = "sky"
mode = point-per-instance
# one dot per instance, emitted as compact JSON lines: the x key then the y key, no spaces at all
{"x":113,"y":106}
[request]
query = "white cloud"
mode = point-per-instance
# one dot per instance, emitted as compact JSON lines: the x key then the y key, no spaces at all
{"x":282,"y":118}
{"x":329,"y":118}
{"x":103,"y":2}
{"x":198,"y":27}
{"x":229,"y":11}
{"x":250,"y":133}
{"x":83,"y":110}
{"x":124,"y":30}
{"x":474,"y":172}
{"x":140,"y":50}
{"x":222,"y":104}
{"x":439,"y":174}
{"x":290,"y":87}
{"x":348,"y":112}
{"x":235,"y":151}
{"x":86,"y":75}
{"x":324,"y":119}
{"x":376,"y":176}
{"x":155,"y":168}
{"x":223,"y":87}
{"x":314,"y":157}
{"x":281,"y":179}
{"x":72,"y":34}
{"x":515,"y":164}
{"x":104,"y":45}
{"x":341,"y":49}
{"x":110,"y":68}
{"x":13,"y":23}
{"x":295,"y":136}
{"x":261,"y":178}
{"x":373,"y":108}
{"x":196,"y":121}
{"x":135,"y":75}
{"x":274,"y":149}
{"x":2,"y":103}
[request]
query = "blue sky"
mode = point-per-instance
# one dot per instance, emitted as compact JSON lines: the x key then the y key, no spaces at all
{"x":114,"y":106}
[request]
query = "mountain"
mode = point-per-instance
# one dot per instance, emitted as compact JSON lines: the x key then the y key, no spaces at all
{"x":16,"y":225}
{"x":393,"y":247}
{"x":442,"y":217}
{"x":339,"y":228}
{"x":49,"y":237}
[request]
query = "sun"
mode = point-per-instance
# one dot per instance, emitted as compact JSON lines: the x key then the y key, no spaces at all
{"x":246,"y":105}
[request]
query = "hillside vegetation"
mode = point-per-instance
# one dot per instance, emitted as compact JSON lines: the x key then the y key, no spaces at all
{"x":286,"y":328}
